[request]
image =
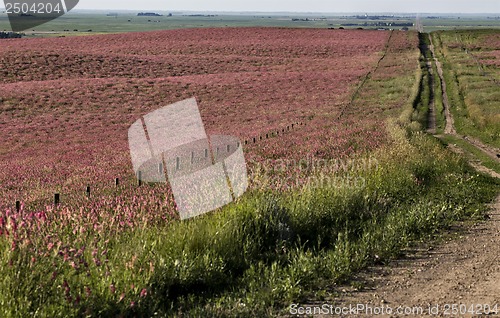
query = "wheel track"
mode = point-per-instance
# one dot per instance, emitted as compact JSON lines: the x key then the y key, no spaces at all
{"x":490,"y":151}
{"x":462,"y":271}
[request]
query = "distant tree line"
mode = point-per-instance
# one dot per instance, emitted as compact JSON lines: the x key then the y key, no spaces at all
{"x":149,"y":14}
{"x":383,"y":24}
{"x":10,"y":35}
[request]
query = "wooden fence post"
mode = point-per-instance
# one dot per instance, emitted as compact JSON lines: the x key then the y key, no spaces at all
{"x":117,"y":182}
{"x":88,"y":191}
{"x":57,"y":198}
{"x":18,"y":206}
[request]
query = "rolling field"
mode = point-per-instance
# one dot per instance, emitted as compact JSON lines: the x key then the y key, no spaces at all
{"x":352,"y":95}
{"x":75,"y":99}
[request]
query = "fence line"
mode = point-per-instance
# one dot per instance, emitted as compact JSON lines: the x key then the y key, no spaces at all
{"x":273,"y":133}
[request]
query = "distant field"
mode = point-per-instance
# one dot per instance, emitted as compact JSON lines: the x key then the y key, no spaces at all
{"x":85,"y":23}
{"x":98,"y":22}
{"x":111,"y":24}
{"x":464,"y":22}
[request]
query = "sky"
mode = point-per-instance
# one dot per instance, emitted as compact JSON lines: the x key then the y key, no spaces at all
{"x":427,"y":6}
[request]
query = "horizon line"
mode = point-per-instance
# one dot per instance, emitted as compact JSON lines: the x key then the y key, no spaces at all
{"x":285,"y":12}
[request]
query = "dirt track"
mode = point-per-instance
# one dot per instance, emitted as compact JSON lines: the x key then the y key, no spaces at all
{"x":464,"y":270}
{"x":450,"y":124}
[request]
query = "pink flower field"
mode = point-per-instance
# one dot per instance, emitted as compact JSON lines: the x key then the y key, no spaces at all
{"x":66,"y":105}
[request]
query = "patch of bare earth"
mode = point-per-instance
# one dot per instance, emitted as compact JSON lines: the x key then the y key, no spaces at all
{"x":464,"y":271}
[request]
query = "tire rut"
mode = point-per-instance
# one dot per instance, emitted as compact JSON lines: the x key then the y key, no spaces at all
{"x":463,"y":271}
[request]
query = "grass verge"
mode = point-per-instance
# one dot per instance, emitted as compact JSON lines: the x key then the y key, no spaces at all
{"x":472,"y":153}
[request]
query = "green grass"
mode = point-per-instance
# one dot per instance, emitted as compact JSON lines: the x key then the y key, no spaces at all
{"x":472,"y":153}
{"x":462,"y":23}
{"x":98,"y":22}
{"x":474,"y":98}
{"x":256,"y":256}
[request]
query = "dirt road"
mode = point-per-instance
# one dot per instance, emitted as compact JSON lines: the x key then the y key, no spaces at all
{"x":463,"y":271}
{"x":460,"y":277}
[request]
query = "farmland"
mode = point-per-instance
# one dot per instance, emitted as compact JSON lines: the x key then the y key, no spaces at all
{"x":73,"y":96}
{"x":83,"y":22}
{"x":66,"y":105}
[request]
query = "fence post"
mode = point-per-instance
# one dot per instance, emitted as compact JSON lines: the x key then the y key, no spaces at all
{"x":117,"y":182}
{"x":18,"y":206}
{"x":88,"y":191}
{"x":57,"y":198}
{"x":139,"y":177}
